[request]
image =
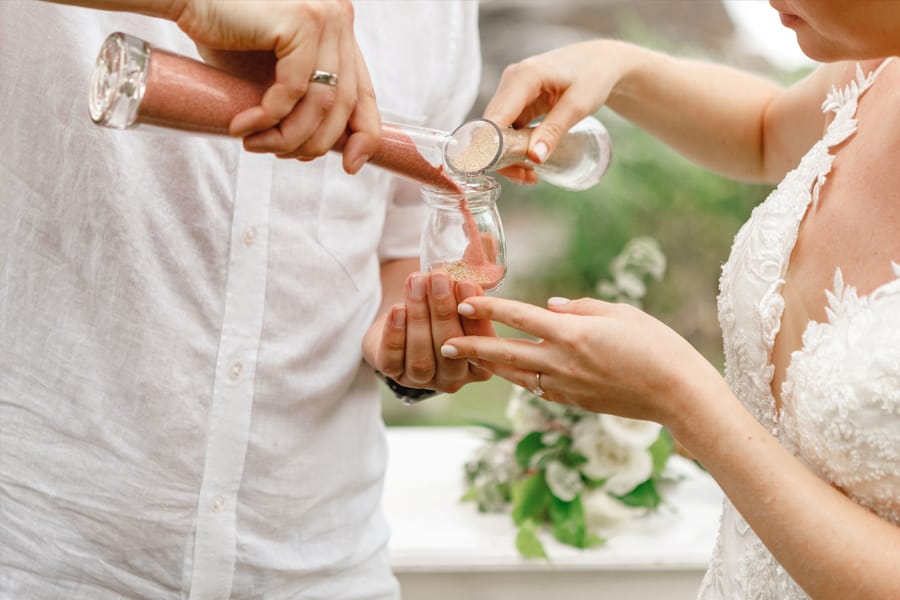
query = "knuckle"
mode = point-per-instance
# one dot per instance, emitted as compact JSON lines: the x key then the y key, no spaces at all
{"x":420,"y":371}
{"x":579,"y":104}
{"x":394,"y":371}
{"x":313,"y":149}
{"x":508,"y":358}
{"x":553,"y":129}
{"x":417,"y":315}
{"x":517,"y":321}
{"x":445,"y":311}
{"x":394,"y":344}
{"x":479,"y":376}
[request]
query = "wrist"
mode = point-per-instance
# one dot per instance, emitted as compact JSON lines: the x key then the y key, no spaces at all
{"x":636,"y":66}
{"x":701,"y":410}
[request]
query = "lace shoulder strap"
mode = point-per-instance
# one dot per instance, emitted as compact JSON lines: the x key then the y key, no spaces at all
{"x":849,"y":95}
{"x":843,"y":102}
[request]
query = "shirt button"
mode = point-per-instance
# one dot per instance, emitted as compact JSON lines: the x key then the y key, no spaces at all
{"x":217,"y":504}
{"x":235,"y":371}
{"x":249,"y":236}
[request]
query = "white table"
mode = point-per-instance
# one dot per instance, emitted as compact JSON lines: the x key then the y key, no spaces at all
{"x":445,"y":549}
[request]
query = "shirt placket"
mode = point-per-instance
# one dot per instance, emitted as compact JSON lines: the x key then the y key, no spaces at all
{"x":213,"y":564}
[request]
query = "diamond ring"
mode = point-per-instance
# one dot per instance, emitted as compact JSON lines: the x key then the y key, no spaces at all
{"x":538,"y":390}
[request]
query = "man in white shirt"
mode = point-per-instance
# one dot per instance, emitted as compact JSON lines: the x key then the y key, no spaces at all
{"x":184,"y":408}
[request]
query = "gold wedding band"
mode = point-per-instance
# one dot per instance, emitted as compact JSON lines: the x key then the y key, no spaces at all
{"x":325,"y":77}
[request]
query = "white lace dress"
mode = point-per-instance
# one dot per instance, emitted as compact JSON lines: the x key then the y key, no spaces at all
{"x":841,"y":395}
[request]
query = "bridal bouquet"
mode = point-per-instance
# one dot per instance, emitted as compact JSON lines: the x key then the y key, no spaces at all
{"x":578,"y":472}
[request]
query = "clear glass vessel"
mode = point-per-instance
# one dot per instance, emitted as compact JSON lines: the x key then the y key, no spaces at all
{"x":463,"y":234}
{"x":134,"y":83}
{"x":578,"y":162}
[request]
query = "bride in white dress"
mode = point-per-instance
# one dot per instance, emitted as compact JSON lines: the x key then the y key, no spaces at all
{"x":803,"y":432}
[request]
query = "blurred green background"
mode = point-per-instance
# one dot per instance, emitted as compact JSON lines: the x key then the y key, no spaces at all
{"x":560,"y":243}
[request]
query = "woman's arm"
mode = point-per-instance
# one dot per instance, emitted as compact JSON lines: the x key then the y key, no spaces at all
{"x":613,"y":358}
{"x":732,"y":122}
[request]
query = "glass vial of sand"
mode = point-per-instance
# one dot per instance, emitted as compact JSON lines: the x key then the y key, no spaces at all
{"x":463,"y":234}
{"x":135,"y":83}
{"x":579,"y":161}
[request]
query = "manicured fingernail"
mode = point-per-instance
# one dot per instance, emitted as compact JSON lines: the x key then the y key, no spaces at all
{"x":399,"y":319}
{"x":558,"y":301}
{"x":540,"y":151}
{"x":465,"y":309}
{"x":448,"y":351}
{"x":418,"y":287}
{"x":440,"y":285}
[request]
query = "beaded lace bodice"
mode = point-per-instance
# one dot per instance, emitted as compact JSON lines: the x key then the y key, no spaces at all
{"x":840,"y":410}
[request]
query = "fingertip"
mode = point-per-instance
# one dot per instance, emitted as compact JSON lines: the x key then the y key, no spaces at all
{"x":352,"y":164}
{"x":261,"y":141}
{"x":249,"y":121}
{"x":468,"y":288}
{"x":539,"y":152}
{"x":465,"y":309}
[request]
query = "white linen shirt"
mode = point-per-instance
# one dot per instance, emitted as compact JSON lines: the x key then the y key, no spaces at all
{"x":184,"y":411}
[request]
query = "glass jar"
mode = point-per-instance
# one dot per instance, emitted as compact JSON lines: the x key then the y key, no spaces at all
{"x":463,"y":234}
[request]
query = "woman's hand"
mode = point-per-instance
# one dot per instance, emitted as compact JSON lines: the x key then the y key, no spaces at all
{"x":291,"y":40}
{"x":610,"y":358}
{"x":563,"y":86}
{"x":405,"y":343}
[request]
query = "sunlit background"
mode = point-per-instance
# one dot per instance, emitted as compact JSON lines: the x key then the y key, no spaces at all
{"x":560,"y":243}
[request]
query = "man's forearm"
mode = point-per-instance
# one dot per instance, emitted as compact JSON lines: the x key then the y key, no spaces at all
{"x":165,"y":9}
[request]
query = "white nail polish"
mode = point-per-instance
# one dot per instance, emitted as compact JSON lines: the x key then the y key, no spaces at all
{"x":448,"y":351}
{"x":465,"y":309}
{"x":541,"y":151}
{"x":558,"y":301}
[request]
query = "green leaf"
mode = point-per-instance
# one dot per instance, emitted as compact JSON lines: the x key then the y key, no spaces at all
{"x":527,"y":446}
{"x":592,"y":540}
{"x":567,"y":519}
{"x":644,"y":495}
{"x":570,"y":526}
{"x":661,"y":450}
{"x":498,"y":432}
{"x":593,"y":483}
{"x":530,"y":499}
{"x":574,"y":459}
{"x":471,"y":494}
{"x":527,"y":542}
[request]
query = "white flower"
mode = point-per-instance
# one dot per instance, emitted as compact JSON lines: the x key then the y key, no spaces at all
{"x":600,"y":510}
{"x":631,"y":432}
{"x":630,"y":284}
{"x":525,"y":415}
{"x":623,"y":467}
{"x":641,"y":255}
{"x":565,"y":483}
{"x":635,"y":471}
